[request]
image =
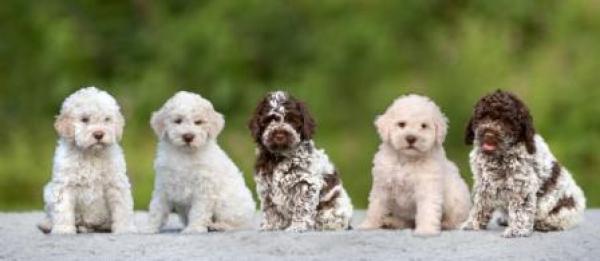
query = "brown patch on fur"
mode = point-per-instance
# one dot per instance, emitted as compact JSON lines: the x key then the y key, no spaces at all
{"x":266,"y":162}
{"x":331,"y":181}
{"x":507,"y":109}
{"x":565,"y":202}
{"x":550,"y":183}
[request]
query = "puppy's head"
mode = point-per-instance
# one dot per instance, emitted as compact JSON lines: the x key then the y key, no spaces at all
{"x":90,"y":119}
{"x":500,"y":121}
{"x":280,"y":123}
{"x":187,"y":120}
{"x":412,"y":125}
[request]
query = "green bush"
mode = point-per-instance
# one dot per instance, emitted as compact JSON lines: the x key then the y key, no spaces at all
{"x":347,"y":59}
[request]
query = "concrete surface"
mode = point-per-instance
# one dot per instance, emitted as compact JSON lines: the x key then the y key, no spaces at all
{"x":21,"y":240}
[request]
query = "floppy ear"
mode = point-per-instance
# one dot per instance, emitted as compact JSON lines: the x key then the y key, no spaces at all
{"x":254,"y":124}
{"x":119,"y":125}
{"x":470,"y":132}
{"x":441,"y":128}
{"x":383,"y":128}
{"x":308,"y":122}
{"x":64,"y":126}
{"x":527,"y":131}
{"x":216,"y":122}
{"x":157,"y":122}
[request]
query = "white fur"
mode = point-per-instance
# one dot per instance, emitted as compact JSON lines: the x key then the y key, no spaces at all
{"x":89,"y":189}
{"x":416,"y":187}
{"x":197,"y":180}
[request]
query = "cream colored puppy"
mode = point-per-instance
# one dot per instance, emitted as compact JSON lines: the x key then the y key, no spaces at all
{"x":194,"y":177}
{"x":414,"y":184}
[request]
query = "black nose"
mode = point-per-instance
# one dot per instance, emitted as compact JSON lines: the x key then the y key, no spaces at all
{"x":411,"y":139}
{"x":98,"y":135}
{"x":188,"y":137}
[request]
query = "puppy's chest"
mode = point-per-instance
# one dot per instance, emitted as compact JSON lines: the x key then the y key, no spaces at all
{"x":286,"y":177}
{"x":181,"y":185}
{"x":501,"y":180}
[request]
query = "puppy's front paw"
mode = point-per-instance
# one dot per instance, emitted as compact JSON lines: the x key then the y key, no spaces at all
{"x":470,"y":225}
{"x":194,"y":230}
{"x":128,"y":229}
{"x":297,"y":227}
{"x":150,"y":230}
{"x":514,"y":232}
{"x":427,"y":232}
{"x":64,"y":230}
{"x":367,"y":225}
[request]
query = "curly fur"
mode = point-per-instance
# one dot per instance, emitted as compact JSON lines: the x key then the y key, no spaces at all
{"x":89,"y":190}
{"x":298,"y":186}
{"x":414,"y":184}
{"x":516,"y":173}
{"x":194,"y":176}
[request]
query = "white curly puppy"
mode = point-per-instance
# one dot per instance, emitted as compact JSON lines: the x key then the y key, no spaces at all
{"x":194,"y":176}
{"x":414,"y":184}
{"x":89,"y":190}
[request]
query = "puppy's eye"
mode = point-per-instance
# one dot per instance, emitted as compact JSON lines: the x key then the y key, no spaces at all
{"x":107,"y":119}
{"x":85,"y":119}
{"x":198,"y":122}
{"x":178,"y":121}
{"x":401,"y":124}
{"x":424,"y":126}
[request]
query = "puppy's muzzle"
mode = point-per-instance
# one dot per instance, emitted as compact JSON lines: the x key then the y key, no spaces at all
{"x":411,"y":139}
{"x":98,"y":135}
{"x":489,"y":142}
{"x":188,"y":137}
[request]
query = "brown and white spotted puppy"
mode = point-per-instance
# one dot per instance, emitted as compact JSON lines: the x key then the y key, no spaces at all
{"x":516,"y":173}
{"x":298,"y":186}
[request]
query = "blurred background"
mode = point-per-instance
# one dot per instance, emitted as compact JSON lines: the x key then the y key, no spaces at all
{"x":347,"y":59}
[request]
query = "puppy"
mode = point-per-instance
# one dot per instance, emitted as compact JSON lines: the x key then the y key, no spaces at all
{"x":298,"y":186}
{"x":515,"y":172}
{"x":414,"y":184}
{"x":194,"y":176}
{"x":89,"y":190}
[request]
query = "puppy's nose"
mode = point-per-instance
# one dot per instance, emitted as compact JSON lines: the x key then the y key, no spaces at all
{"x":188,"y":137}
{"x":489,"y":137}
{"x":98,"y":135}
{"x":411,"y":139}
{"x":279,"y":137}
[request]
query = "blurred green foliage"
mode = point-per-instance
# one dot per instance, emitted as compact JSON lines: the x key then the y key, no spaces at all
{"x":347,"y":59}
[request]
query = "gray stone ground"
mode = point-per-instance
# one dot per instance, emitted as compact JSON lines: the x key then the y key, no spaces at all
{"x":20,"y":240}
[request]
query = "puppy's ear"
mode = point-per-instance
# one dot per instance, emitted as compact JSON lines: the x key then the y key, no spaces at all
{"x":441,"y":128}
{"x":254,"y":124}
{"x":157,"y":122}
{"x":527,"y":130}
{"x":64,"y":126}
{"x":383,"y":128}
{"x":216,"y":122}
{"x":119,"y":125}
{"x":470,"y":132}
{"x":308,"y":122}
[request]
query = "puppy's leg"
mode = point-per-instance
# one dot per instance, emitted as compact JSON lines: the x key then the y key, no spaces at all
{"x":521,"y":215}
{"x":199,"y":216}
{"x":304,"y":209}
{"x":376,"y":213}
{"x":481,"y":212}
{"x":158,"y":212}
{"x":429,"y":196}
{"x":120,"y":204}
{"x":63,"y":212}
